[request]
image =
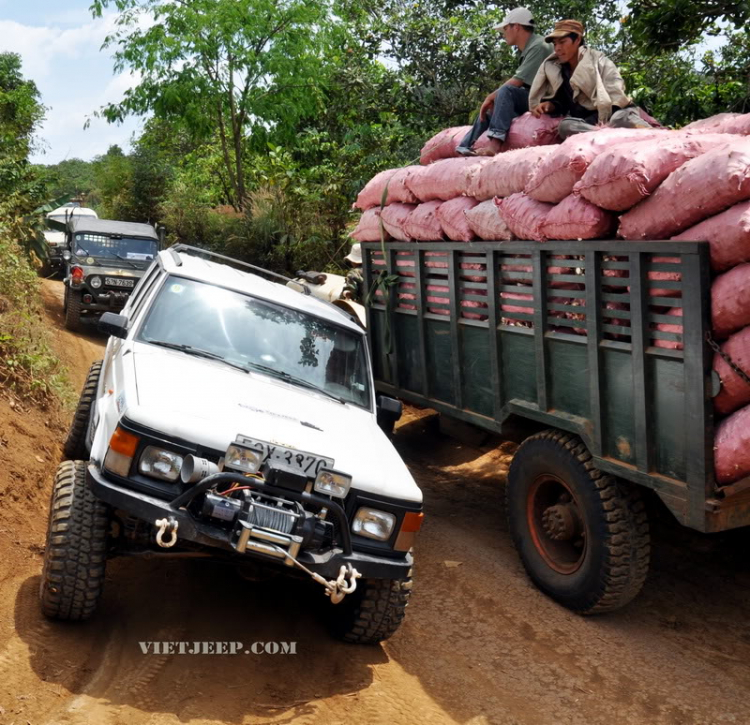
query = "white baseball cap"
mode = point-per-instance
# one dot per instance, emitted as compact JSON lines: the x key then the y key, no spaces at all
{"x":521,"y":16}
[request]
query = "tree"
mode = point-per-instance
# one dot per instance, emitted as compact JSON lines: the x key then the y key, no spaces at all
{"x":21,"y":113}
{"x":220,"y":67}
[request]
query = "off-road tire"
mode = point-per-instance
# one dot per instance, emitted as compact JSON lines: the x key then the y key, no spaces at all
{"x":75,"y":448}
{"x":615,"y":563}
{"x":73,"y":310}
{"x":76,"y":552}
{"x":373,"y":612}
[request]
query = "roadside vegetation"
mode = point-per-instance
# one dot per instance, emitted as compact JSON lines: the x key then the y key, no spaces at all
{"x":28,"y":366}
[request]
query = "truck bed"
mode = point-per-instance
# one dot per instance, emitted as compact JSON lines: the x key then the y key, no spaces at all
{"x":488,"y":332}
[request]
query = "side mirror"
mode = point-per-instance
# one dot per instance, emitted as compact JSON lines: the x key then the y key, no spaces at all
{"x":390,"y":406}
{"x":115,"y":325}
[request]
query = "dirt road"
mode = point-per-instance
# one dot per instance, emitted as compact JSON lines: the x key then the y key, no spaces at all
{"x":479,"y":645}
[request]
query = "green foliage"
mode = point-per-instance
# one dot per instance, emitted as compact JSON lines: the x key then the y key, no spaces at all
{"x":72,"y":177}
{"x":28,"y":364}
{"x":669,"y":25}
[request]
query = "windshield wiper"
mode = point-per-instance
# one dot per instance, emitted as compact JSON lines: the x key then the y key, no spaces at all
{"x":295,"y":380}
{"x":198,"y":352}
{"x":125,"y":259}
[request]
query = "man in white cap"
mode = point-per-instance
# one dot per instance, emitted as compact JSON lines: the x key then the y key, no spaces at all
{"x":512,"y":98}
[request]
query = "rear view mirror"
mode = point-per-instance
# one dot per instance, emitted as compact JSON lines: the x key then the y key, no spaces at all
{"x":390,"y":407}
{"x":115,"y":325}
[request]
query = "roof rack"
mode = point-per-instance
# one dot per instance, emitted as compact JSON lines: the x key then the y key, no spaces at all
{"x":198,"y":251}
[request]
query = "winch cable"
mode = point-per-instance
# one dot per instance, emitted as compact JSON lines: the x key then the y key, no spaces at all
{"x":336,"y":588}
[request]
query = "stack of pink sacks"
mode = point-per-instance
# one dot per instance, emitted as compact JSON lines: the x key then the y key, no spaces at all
{"x":640,"y":184}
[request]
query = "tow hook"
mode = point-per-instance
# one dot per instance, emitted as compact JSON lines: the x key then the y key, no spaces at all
{"x":336,"y":588}
{"x":166,"y":526}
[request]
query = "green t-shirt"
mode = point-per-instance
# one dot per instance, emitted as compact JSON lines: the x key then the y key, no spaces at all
{"x":531,"y":58}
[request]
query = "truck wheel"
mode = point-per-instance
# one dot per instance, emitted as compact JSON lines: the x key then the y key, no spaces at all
{"x":76,"y":551}
{"x":75,"y":444}
{"x":373,"y":612}
{"x":582,"y":536}
{"x":73,"y":310}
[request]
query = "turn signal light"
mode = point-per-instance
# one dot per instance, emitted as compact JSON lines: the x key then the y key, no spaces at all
{"x":76,"y":275}
{"x":123,"y":442}
{"x":407,"y":534}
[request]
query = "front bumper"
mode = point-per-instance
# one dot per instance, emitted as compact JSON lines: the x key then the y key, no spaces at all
{"x":149,"y":509}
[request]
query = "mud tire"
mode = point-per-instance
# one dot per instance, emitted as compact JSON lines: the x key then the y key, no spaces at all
{"x":615,"y":563}
{"x":76,"y":552}
{"x":75,"y":448}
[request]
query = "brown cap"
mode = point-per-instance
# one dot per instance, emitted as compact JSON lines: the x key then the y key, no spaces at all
{"x":565,"y":27}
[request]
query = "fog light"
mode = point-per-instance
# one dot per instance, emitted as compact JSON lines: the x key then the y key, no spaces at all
{"x":373,"y":524}
{"x":87,"y":299}
{"x":333,"y":483}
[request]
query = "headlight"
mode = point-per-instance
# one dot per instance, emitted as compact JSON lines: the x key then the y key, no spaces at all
{"x":333,"y":483}
{"x":243,"y":459}
{"x":158,"y":463}
{"x":95,"y":282}
{"x":373,"y":524}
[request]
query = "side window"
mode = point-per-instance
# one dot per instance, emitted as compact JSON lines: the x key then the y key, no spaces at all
{"x":143,"y":290}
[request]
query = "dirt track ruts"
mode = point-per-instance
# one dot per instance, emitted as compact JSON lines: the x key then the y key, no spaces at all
{"x":480,"y":644}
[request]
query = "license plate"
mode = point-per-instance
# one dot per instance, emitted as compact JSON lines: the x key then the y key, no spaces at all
{"x":119,"y":282}
{"x":308,"y":463}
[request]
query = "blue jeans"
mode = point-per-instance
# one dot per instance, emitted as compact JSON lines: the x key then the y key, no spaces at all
{"x":510,"y":102}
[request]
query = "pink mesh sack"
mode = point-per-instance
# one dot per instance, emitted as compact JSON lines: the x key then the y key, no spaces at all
{"x":730,"y":301}
{"x":507,"y":173}
{"x":443,"y":145}
{"x":423,"y":223}
{"x":527,"y":130}
{"x":395,"y":179}
{"x":444,"y":179}
{"x":576,"y":218}
{"x":675,"y":327}
{"x":700,"y":188}
{"x":728,"y":233}
{"x":739,"y":125}
{"x":732,"y":447}
{"x":735,"y":392}
{"x":368,"y":229}
{"x":712,"y":124}
{"x":524,"y":216}
{"x":452,"y":218}
{"x":394,"y":218}
{"x":620,"y":177}
{"x":556,"y":176}
{"x":486,"y":223}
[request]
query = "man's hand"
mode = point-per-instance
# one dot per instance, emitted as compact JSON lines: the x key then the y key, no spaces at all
{"x":544,"y":107}
{"x":487,"y":106}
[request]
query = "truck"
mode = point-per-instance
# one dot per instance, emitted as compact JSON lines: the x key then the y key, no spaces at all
{"x":579,"y":345}
{"x":104,"y":259}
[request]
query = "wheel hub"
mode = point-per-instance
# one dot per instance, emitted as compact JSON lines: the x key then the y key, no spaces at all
{"x":559,"y":522}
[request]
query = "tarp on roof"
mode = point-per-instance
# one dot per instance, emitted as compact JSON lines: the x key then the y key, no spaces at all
{"x":57,"y":218}
{"x":86,"y":225}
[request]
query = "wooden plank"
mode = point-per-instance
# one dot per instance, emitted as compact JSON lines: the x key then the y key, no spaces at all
{"x":540,"y":326}
{"x":639,"y":341}
{"x":419,"y":284}
{"x":594,"y":319}
{"x":455,"y":312}
{"x":493,"y":309}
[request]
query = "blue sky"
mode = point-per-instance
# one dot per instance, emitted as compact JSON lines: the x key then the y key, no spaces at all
{"x":59,"y":43}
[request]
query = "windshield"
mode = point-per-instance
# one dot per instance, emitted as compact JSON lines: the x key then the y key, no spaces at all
{"x":101,"y":245}
{"x":260,"y":336}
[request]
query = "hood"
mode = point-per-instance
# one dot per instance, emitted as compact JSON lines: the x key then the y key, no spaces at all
{"x":209,"y":403}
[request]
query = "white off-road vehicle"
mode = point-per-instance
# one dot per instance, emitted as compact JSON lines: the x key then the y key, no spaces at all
{"x":235,"y":417}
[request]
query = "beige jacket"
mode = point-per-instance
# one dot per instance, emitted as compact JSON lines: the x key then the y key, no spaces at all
{"x":596,"y":83}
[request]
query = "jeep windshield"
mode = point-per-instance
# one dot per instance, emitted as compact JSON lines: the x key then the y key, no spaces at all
{"x":259,"y":336}
{"x":131,"y":249}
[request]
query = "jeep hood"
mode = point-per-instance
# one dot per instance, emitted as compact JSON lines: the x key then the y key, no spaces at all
{"x":209,"y":403}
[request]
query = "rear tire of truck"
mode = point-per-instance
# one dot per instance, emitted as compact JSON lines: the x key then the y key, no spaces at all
{"x":373,"y":612}
{"x":582,"y":536}
{"x":72,"y":310}
{"x":75,"y":448}
{"x":76,"y":553}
